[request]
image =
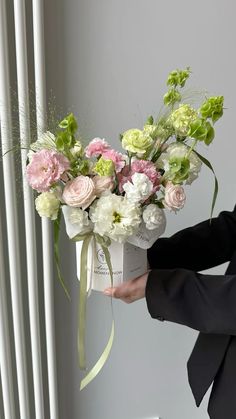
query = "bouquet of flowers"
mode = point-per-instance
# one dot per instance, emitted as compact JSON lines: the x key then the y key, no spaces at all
{"x":115,"y":197}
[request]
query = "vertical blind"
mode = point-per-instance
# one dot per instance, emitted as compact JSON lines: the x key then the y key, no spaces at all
{"x":22,"y":365}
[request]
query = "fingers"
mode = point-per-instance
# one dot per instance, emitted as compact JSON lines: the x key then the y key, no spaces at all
{"x":129,"y":291}
{"x":110,"y":291}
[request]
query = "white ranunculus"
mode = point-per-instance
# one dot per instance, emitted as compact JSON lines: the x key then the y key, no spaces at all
{"x":115,"y":217}
{"x":153,"y":217}
{"x":139,"y":189}
{"x":76,"y":221}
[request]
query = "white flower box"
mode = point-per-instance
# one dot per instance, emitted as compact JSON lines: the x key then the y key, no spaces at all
{"x":128,"y":262}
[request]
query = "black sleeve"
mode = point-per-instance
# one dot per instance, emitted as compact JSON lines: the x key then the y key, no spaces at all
{"x":176,"y":292}
{"x":197,"y":248}
{"x":203,"y":302}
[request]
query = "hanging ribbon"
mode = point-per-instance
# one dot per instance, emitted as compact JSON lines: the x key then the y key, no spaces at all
{"x":82,"y":310}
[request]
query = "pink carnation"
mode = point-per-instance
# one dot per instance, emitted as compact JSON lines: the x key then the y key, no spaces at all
{"x":140,"y":166}
{"x":123,"y":177}
{"x":148,"y":168}
{"x":96,"y":147}
{"x":117,"y":158}
{"x":45,"y":168}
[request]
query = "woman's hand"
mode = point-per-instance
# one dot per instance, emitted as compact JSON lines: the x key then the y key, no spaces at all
{"x":129,"y":291}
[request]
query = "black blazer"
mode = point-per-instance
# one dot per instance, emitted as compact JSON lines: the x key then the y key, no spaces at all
{"x":177,"y":292}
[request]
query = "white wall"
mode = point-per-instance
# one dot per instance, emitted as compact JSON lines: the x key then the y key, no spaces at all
{"x":107,"y":61}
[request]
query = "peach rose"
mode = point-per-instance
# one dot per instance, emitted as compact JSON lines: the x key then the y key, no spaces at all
{"x":174,"y":197}
{"x":102,"y":184}
{"x":79,"y":192}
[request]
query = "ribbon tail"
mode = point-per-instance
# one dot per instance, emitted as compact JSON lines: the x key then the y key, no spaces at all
{"x":103,"y":358}
{"x":108,"y":262}
{"x":100,"y":363}
{"x":82,"y":302}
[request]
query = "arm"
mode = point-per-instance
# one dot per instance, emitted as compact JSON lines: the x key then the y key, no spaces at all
{"x":203,"y":302}
{"x":176,"y":292}
{"x":199,"y":247}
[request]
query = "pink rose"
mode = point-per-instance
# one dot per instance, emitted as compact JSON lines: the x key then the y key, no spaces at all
{"x":174,"y":197}
{"x":117,"y":158}
{"x":96,"y":147}
{"x":79,"y":192}
{"x":102,"y":184}
{"x":46,"y":168}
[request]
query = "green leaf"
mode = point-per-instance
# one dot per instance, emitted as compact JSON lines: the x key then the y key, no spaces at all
{"x":149,"y":120}
{"x":216,"y":188}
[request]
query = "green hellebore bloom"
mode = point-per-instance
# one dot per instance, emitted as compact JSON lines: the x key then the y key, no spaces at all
{"x":202,"y":130}
{"x":69,"y":123}
{"x":171,"y":97}
{"x":178,"y":169}
{"x":213,"y":108}
{"x":178,"y":77}
{"x":63,"y":140}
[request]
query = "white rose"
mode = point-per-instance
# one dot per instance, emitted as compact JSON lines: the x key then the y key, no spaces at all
{"x":76,"y":221}
{"x":47,"y":204}
{"x":153,"y":217}
{"x":174,"y":197}
{"x":139,"y":189}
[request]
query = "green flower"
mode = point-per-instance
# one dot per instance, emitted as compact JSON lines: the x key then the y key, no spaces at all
{"x":104,"y":167}
{"x":178,"y":169}
{"x":181,"y":119}
{"x":213,"y":108}
{"x":178,"y":77}
{"x":171,"y":97}
{"x":202,"y":130}
{"x":179,"y":163}
{"x":69,"y":123}
{"x":136,"y":141}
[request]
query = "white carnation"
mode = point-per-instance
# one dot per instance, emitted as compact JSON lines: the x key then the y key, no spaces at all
{"x":139,"y":189}
{"x":47,"y":204}
{"x":153,"y":217}
{"x":76,"y":221}
{"x":115,"y":217}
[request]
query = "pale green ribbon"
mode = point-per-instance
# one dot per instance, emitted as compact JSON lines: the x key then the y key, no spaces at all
{"x":82,"y":311}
